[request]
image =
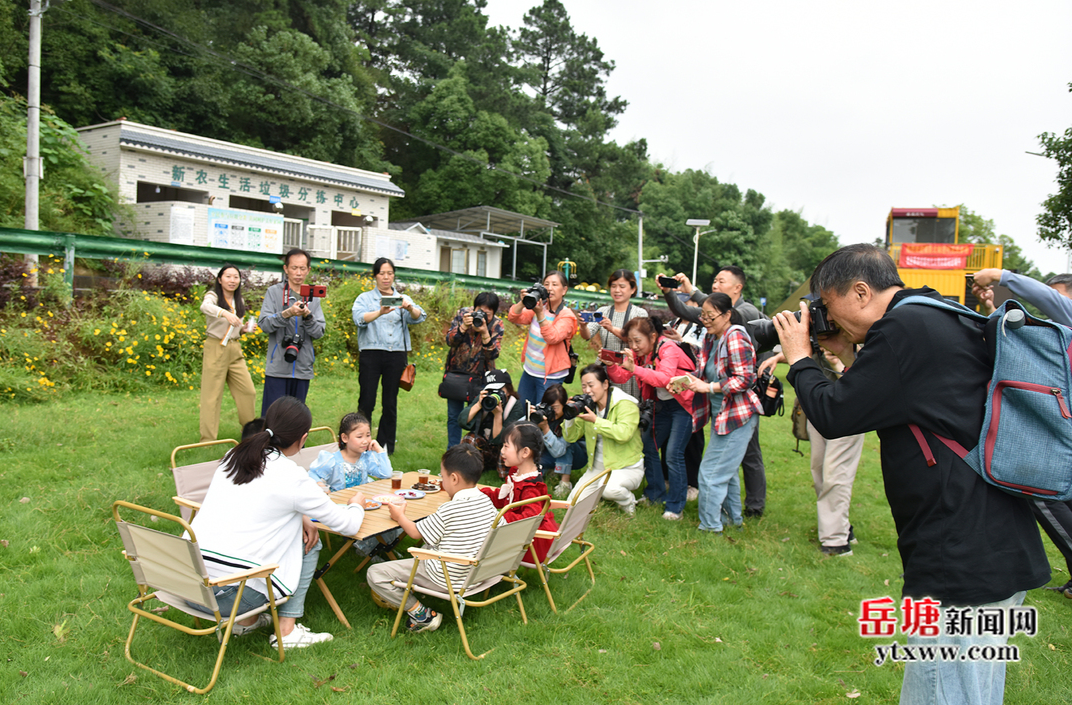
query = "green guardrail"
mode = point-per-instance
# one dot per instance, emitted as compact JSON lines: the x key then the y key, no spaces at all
{"x":72,"y":245}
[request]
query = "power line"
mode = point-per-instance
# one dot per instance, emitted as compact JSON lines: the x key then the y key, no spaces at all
{"x":254,"y":72}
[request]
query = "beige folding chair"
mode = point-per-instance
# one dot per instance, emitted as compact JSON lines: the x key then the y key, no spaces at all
{"x":172,"y":568}
{"x":496,"y":561}
{"x":192,"y":481}
{"x":570,"y":531}
{"x":307,"y":455}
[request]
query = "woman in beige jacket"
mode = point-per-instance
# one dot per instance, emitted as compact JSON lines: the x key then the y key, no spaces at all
{"x":223,"y":363}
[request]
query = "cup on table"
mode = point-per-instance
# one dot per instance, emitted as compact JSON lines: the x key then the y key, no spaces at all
{"x":396,"y":480}
{"x":422,"y":476}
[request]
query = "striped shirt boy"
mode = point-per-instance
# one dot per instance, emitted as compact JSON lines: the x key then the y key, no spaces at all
{"x":458,"y":527}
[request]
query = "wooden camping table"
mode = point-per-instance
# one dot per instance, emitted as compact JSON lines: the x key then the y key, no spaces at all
{"x":376,"y":522}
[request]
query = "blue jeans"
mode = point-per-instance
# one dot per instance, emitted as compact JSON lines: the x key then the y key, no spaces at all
{"x":531,"y":389}
{"x":671,"y":428}
{"x":251,"y":599}
{"x":454,"y":431}
{"x":575,"y":458}
{"x":720,"y":488}
{"x":957,"y":682}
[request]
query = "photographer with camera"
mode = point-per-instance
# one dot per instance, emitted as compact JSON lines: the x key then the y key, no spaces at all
{"x":654,"y":360}
{"x":608,"y":420}
{"x":383,"y":317}
{"x":292,"y":322}
{"x":606,"y":330}
{"x":564,"y":457}
{"x":474,"y":341}
{"x":495,"y":409}
{"x":727,"y":364}
{"x":962,"y":541}
{"x":546,"y":355}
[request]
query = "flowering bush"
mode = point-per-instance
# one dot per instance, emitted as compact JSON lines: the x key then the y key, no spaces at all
{"x":129,"y":338}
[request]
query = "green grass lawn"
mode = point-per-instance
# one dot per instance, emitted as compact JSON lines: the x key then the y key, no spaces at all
{"x":676,"y":615}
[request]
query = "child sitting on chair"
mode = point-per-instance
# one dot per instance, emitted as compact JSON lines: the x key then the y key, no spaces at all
{"x":458,"y":527}
{"x":522,"y":448}
{"x":357,"y":459}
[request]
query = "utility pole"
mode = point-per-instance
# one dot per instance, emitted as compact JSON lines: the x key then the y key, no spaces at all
{"x":32,"y":167}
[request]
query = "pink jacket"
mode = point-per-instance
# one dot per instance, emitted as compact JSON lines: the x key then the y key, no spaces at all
{"x":557,"y":335}
{"x":670,"y":361}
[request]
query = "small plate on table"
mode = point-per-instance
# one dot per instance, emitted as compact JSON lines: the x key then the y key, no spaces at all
{"x":429,"y":488}
{"x":387,"y":498}
{"x":409,"y":494}
{"x":371,"y":504}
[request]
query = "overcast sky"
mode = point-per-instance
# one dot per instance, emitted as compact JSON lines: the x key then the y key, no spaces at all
{"x":846,"y":109}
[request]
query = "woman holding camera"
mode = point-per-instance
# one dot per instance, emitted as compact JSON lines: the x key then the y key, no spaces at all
{"x":727,"y":364}
{"x":474,"y":341}
{"x":551,"y":326}
{"x":497,"y":407}
{"x":609,"y":427}
{"x":222,"y":363}
{"x":557,"y":453}
{"x":653,"y":360}
{"x":383,"y":338}
{"x":607,"y":329}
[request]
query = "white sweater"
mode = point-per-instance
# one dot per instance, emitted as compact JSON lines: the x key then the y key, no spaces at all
{"x":260,"y":522}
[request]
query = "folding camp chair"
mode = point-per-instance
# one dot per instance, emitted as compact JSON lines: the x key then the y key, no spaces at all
{"x":307,"y":455}
{"x":570,"y":531}
{"x":171,"y":566}
{"x":192,"y":481}
{"x":497,"y":560}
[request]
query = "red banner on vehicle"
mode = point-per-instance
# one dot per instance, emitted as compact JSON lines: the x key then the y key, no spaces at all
{"x":930,"y":255}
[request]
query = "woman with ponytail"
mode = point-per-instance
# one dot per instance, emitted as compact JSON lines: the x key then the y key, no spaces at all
{"x":257,"y":512}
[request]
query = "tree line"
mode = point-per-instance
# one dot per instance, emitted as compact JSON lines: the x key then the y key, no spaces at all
{"x":459,"y":112}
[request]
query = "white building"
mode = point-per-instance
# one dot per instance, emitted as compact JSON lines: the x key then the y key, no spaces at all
{"x":198,"y":191}
{"x":194,"y":190}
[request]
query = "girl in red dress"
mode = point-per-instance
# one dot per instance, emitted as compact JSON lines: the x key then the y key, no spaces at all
{"x":521,"y":451}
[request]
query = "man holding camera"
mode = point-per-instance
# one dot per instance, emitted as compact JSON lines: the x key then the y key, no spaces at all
{"x":292,"y":322}
{"x":962,"y":541}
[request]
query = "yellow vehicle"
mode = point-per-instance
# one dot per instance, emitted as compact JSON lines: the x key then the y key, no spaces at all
{"x":926,"y":246}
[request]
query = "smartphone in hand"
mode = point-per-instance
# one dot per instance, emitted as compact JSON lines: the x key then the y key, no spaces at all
{"x":612,"y":357}
{"x":677,"y":384}
{"x":668,"y":282}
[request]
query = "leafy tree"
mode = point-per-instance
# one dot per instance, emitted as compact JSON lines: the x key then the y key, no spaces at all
{"x":1055,"y":222}
{"x":567,"y":70}
{"x":73,"y":196}
{"x":975,"y":228}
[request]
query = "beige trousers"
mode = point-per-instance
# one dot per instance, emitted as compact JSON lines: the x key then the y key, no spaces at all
{"x":833,"y":470}
{"x":224,"y":367}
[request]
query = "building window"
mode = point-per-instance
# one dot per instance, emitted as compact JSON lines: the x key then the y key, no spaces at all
{"x":153,"y":193}
{"x":482,"y":263}
{"x":459,"y":261}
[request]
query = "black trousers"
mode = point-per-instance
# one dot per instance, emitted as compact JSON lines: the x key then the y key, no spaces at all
{"x":755,"y":476}
{"x":376,"y":368}
{"x":1055,"y":518}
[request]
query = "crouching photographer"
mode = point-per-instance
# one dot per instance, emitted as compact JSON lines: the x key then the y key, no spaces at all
{"x":564,"y":457}
{"x":292,"y":318}
{"x":495,"y":409}
{"x":608,"y":420}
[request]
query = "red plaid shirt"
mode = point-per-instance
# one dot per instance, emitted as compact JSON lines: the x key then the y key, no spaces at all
{"x":735,"y":367}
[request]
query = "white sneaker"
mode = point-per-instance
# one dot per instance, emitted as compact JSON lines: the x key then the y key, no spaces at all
{"x":301,"y":637}
{"x":693,"y":494}
{"x":263,"y":620}
{"x":629,"y":510}
{"x":563,"y":489}
{"x":671,"y":516}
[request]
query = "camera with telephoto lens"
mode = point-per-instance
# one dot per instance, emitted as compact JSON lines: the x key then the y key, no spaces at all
{"x":647,"y":415}
{"x":538,"y":413}
{"x":767,"y":336}
{"x":291,"y":346}
{"x":534,"y":295}
{"x":576,"y":406}
{"x":496,"y":395}
{"x":480,"y":319}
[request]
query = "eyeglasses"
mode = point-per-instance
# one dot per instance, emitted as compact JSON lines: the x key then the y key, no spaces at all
{"x":706,"y":317}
